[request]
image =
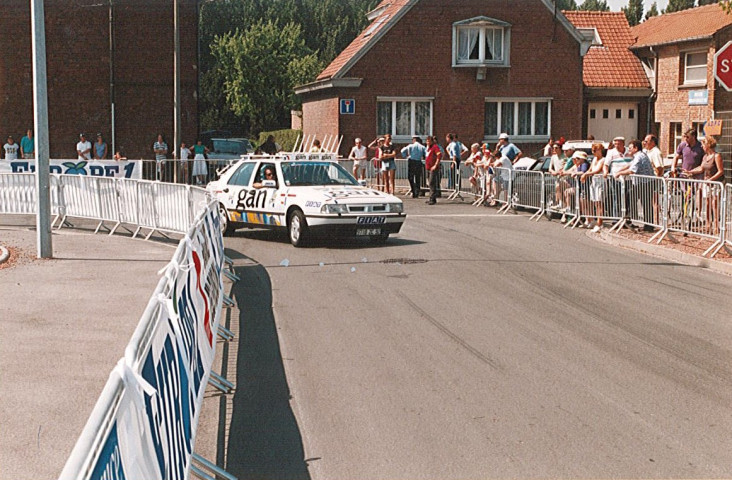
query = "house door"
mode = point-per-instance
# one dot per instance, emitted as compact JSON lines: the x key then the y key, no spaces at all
{"x":607,"y":120}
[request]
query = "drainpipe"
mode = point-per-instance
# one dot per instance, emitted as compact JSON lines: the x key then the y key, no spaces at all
{"x":653,"y":96}
{"x":111,"y":77}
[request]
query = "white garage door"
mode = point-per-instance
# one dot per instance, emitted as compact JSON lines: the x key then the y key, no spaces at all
{"x":607,"y":120}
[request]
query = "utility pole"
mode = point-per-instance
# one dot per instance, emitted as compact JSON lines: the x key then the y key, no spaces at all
{"x":40,"y":125}
{"x":176,"y":88}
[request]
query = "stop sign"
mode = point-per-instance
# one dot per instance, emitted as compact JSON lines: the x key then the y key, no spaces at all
{"x":723,"y":66}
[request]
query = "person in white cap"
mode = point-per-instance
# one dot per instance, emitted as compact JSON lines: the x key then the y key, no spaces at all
{"x":360,"y":159}
{"x":504,"y":148}
{"x":83,"y":148}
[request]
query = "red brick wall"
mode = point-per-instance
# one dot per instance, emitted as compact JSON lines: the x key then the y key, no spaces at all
{"x":320,"y":117}
{"x":672,"y":101}
{"x":78,"y":60}
{"x":415,"y":59}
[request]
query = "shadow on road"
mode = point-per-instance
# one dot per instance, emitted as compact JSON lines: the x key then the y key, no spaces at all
{"x":264,"y":438}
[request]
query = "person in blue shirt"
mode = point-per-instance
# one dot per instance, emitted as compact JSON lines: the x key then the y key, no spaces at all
{"x":27,"y":145}
{"x":455,"y":151}
{"x":415,"y":153}
{"x":504,"y":148}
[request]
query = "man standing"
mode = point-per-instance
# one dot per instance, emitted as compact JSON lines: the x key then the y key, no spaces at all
{"x":614,"y":162}
{"x":504,"y":148}
{"x":455,"y":151}
{"x":83,"y":148}
{"x":640,"y":165}
{"x":654,"y":154}
{"x":11,"y":149}
{"x":691,"y":153}
{"x":415,"y":154}
{"x":161,"y":151}
{"x":433,"y":157}
{"x":388,"y":163}
{"x":360,"y":159}
{"x":27,"y":145}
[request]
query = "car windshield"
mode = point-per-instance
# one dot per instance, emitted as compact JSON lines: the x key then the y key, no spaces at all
{"x":299,"y":174}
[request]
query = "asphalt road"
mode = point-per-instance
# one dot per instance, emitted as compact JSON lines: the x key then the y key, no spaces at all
{"x":475,"y":345}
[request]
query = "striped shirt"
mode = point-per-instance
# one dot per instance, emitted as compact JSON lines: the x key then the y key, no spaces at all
{"x":160,"y":157}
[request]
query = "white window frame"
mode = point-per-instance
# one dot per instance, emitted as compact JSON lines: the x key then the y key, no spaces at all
{"x":686,"y":67}
{"x":591,"y":34}
{"x":533,"y":137}
{"x":483,"y":24}
{"x":412,"y":120}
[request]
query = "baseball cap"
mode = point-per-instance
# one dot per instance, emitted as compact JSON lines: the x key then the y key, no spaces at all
{"x":620,"y":139}
{"x":503,"y":136}
{"x":580,"y":154}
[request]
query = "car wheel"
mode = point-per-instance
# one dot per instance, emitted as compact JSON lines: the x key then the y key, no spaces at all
{"x":226,"y":227}
{"x":297,"y":228}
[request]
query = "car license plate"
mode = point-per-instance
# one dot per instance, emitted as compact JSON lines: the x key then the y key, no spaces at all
{"x":371,"y":220}
{"x":368,"y":231}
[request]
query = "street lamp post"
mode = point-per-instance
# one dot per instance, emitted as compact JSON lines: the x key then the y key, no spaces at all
{"x":40,"y":125}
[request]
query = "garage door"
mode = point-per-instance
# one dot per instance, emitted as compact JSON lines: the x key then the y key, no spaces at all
{"x":607,"y":120}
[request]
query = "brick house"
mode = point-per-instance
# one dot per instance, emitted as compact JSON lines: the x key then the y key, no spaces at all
{"x":86,"y":72}
{"x":474,"y":67}
{"x":616,"y":88}
{"x":677,"y":50}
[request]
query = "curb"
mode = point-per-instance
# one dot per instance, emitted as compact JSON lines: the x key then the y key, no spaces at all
{"x":665,"y":253}
{"x":4,"y":254}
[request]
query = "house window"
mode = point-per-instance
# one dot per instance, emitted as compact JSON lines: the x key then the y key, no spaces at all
{"x":618,"y":113}
{"x":591,"y":35}
{"x":631,"y":114}
{"x":404,"y":118}
{"x":481,"y":41}
{"x":699,"y":128}
{"x":676,"y":136}
{"x":605,"y":113}
{"x":525,"y":119}
{"x":593,"y":114}
{"x":695,"y":68}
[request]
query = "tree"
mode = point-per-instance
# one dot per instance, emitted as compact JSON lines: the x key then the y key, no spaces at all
{"x":652,"y":12}
{"x":595,"y":5}
{"x":707,"y":2}
{"x":260,"y":67}
{"x":634,"y":12}
{"x":678,"y":5}
{"x":566,"y":4}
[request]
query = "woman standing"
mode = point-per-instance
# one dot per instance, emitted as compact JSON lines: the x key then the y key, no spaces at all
{"x":712,"y":169}
{"x":594,"y":177}
{"x":200,"y":171}
{"x":100,"y":148}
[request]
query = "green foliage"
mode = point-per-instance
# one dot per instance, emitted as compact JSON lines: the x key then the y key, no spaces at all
{"x":324,"y":29}
{"x":260,"y":67}
{"x":706,"y":2}
{"x":634,"y":12}
{"x":678,"y":5}
{"x":595,"y":5}
{"x":652,"y":12}
{"x":566,"y":4}
{"x":285,"y":138}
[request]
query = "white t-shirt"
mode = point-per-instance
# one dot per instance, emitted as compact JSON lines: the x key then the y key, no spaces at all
{"x":656,"y":158}
{"x":358,"y":153}
{"x":614,"y":160}
{"x":82,"y":146}
{"x":184,"y":154}
{"x":11,"y":151}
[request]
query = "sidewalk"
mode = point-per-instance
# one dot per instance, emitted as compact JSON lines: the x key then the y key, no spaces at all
{"x":64,"y":323}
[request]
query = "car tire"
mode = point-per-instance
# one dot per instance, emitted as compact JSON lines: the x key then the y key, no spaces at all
{"x":226,"y":227}
{"x":297,"y":228}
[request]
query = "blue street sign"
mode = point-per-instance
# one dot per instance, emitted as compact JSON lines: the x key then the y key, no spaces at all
{"x":348,"y":106}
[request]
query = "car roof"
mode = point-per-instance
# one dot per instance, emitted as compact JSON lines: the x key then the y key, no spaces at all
{"x":290,"y":156}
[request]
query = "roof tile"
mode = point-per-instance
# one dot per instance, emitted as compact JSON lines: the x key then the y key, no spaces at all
{"x":611,"y":65}
{"x":679,"y":26}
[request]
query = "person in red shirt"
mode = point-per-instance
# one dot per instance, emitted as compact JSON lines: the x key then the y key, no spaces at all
{"x":432,"y":164}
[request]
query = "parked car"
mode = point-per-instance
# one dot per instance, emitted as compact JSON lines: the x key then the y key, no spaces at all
{"x":308,"y":196}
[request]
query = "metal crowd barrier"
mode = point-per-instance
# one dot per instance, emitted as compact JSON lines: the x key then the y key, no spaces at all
{"x":160,"y":207}
{"x":527,"y":191}
{"x":645,"y":200}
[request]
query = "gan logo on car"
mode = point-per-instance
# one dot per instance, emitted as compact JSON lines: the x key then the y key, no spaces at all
{"x":251,"y":199}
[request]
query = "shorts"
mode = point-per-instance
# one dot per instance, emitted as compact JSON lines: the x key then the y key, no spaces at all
{"x":597,"y":190}
{"x":389,"y":164}
{"x":361,"y":164}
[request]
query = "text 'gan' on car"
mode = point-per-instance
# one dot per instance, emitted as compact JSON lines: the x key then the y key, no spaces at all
{"x":310,"y":195}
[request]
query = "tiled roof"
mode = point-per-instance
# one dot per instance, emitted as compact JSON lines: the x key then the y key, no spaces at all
{"x":674,"y":27}
{"x":391,"y":10}
{"x":611,"y":65}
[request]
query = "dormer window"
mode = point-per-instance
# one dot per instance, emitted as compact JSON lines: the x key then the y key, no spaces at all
{"x":591,"y":35}
{"x":481,"y":42}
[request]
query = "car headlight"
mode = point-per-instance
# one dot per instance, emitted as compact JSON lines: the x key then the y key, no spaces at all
{"x":396,"y":207}
{"x":334,"y":208}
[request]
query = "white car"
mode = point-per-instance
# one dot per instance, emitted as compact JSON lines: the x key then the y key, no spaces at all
{"x":309,"y":195}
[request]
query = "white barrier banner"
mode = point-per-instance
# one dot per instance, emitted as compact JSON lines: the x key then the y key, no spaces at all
{"x":152,"y":431}
{"x":95,"y":168}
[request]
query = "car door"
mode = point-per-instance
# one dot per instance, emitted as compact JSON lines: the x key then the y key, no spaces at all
{"x":259,"y":203}
{"x":236,"y":187}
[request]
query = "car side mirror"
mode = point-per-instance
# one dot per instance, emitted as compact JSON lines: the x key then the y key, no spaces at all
{"x":269,"y":184}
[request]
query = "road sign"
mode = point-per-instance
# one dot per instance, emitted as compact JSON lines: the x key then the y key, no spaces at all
{"x":348,"y":106}
{"x":723,"y":66}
